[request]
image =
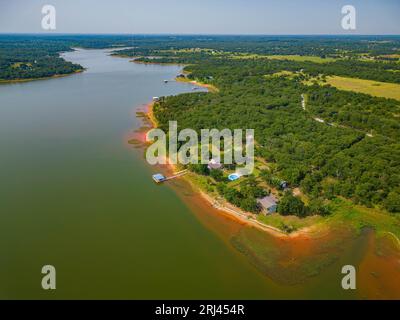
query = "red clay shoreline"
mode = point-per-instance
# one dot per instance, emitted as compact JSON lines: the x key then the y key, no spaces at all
{"x":308,"y":241}
{"x":235,"y":214}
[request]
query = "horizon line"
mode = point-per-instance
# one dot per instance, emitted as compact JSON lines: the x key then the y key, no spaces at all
{"x":201,"y":34}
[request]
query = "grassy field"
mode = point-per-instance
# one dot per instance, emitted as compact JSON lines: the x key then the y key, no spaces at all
{"x":19,"y":64}
{"x":344,"y":213}
{"x":374,"y":88}
{"x":292,"y":223}
{"x":283,"y":57}
{"x":283,"y":73}
{"x":393,"y":56}
{"x":301,"y":58}
{"x":347,"y":213}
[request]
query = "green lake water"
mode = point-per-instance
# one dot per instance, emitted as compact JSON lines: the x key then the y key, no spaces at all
{"x":73,"y":194}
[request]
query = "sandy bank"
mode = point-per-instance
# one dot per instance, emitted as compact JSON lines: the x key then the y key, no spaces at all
{"x":222,"y":206}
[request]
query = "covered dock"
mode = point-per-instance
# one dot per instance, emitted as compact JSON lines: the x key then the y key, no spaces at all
{"x":159,"y":178}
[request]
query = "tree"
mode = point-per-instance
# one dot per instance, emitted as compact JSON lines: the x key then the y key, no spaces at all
{"x":199,"y":169}
{"x":233,"y":196}
{"x":318,"y":206}
{"x":250,"y":188}
{"x":392,"y":202}
{"x":289,"y":204}
{"x":250,"y":204}
{"x":217,"y":175}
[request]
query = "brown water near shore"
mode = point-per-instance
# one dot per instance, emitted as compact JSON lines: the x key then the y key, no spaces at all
{"x":305,"y":261}
{"x":297,"y":264}
{"x":380,"y":269}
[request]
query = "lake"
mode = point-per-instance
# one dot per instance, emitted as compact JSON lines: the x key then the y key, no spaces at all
{"x":74,"y":194}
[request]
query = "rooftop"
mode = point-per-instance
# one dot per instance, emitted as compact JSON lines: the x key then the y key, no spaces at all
{"x":158,"y":177}
{"x":213,"y":164}
{"x":268,"y":201}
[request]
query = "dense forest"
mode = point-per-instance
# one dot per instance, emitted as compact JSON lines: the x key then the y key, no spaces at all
{"x":33,"y":56}
{"x":325,"y":161}
{"x":353,"y":153}
{"x":37,"y":56}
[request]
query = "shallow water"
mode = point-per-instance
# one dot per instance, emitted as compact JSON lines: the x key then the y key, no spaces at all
{"x":75,"y":195}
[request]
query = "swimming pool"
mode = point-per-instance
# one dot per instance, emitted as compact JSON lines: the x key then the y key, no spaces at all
{"x":234,"y":176}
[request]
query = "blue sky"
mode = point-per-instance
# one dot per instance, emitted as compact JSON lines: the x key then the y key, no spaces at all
{"x":202,"y":16}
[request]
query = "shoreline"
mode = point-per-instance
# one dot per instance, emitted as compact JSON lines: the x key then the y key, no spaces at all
{"x":235,"y":214}
{"x":134,"y":60}
{"x":155,"y":63}
{"x":41,"y":78}
{"x":210,"y":87}
{"x":308,"y":231}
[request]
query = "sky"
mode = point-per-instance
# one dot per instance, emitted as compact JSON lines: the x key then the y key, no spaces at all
{"x":201,"y":16}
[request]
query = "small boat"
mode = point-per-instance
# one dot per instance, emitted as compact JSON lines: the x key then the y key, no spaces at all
{"x":165,"y":81}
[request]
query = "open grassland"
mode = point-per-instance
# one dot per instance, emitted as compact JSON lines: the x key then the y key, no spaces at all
{"x":301,"y":58}
{"x":373,"y":88}
{"x":20,"y":64}
{"x":392,"y":56}
{"x":344,"y":213}
{"x":289,"y":223}
{"x":283,"y":73}
{"x":347,"y":213}
{"x":283,"y":57}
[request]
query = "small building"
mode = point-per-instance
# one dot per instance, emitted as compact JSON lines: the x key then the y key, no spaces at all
{"x":268,"y":204}
{"x":214,"y":165}
{"x":156,"y":99}
{"x":284,"y":185}
{"x":158,"y":178}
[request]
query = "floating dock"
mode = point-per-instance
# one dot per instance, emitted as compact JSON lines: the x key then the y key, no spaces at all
{"x":160,"y":178}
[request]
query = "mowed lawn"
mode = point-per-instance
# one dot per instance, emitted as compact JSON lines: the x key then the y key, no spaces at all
{"x":373,"y":88}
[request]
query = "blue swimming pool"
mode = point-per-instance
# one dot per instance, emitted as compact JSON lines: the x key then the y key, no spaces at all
{"x":233,"y":176}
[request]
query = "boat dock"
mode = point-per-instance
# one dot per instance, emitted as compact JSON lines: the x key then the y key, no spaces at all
{"x":159,"y":178}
